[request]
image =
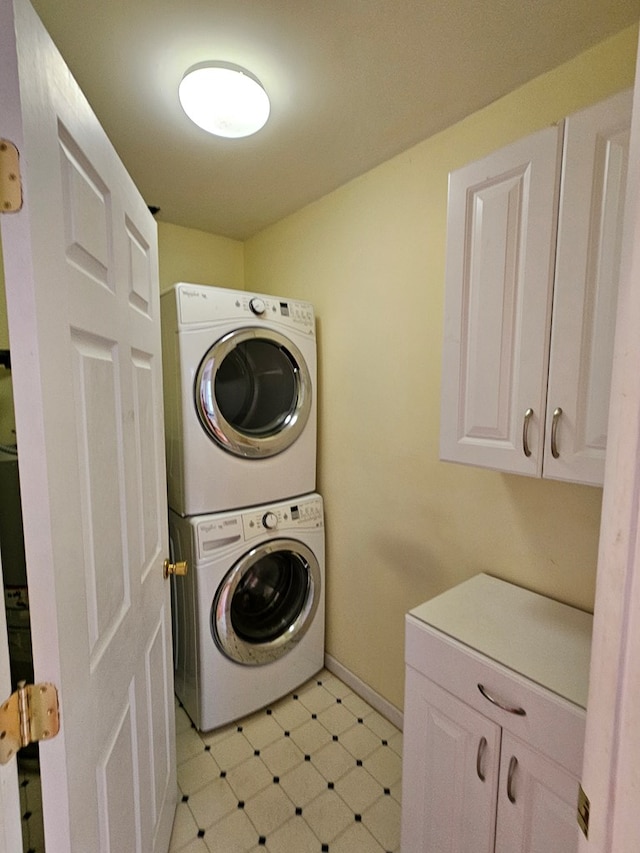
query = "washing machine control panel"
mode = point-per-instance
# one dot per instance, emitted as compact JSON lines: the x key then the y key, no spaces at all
{"x":304,"y":513}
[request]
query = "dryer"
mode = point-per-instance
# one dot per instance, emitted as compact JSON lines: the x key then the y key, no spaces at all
{"x":248,"y":618}
{"x":240,"y":403}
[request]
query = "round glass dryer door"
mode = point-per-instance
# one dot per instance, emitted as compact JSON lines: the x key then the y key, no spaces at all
{"x":266,"y":602}
{"x":253,"y":392}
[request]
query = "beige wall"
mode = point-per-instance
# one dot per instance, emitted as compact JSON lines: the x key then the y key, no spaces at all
{"x":198,"y":258}
{"x":402,"y":526}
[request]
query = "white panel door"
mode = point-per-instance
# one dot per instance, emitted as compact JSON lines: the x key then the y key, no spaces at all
{"x":501,"y":233}
{"x":594,"y":175}
{"x":449,"y":782}
{"x":83,"y":307}
{"x":537,"y":803}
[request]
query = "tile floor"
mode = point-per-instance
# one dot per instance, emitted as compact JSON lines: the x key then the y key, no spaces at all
{"x":319,"y":770}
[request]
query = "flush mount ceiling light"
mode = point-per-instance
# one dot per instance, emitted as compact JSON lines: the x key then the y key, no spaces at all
{"x":224,"y":99}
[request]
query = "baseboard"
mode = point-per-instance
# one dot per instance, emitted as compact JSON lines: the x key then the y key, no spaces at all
{"x":381,"y":705}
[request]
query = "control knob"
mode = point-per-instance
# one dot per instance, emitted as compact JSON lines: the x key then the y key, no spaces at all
{"x":270,"y":520}
{"x":257,"y":305}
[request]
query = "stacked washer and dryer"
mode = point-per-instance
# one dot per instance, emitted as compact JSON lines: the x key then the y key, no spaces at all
{"x":240,"y":426}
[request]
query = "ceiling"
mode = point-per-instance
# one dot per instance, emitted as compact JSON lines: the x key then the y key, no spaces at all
{"x":351,"y":82}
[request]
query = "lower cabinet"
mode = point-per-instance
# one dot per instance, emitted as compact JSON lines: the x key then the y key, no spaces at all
{"x":492,"y":760}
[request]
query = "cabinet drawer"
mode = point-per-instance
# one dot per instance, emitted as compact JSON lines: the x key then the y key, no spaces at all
{"x":550,"y":723}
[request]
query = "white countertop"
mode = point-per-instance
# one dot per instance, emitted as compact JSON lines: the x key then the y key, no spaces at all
{"x":544,"y":640}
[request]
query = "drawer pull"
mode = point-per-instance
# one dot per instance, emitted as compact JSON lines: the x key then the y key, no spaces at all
{"x":512,"y":769}
{"x":482,"y":746}
{"x":509,"y":708}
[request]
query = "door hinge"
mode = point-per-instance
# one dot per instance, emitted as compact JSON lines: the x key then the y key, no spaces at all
{"x":10,"y":183}
{"x":583,"y":811}
{"x":29,"y":715}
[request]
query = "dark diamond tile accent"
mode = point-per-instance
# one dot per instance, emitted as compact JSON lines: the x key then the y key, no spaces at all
{"x":325,"y":848}
{"x":276,"y":780}
{"x":298,"y":811}
{"x":207,"y":748}
{"x":319,"y":683}
{"x":307,"y":758}
{"x":330,"y":786}
{"x":387,"y":792}
{"x":26,"y":815}
{"x":334,"y":737}
{"x":359,"y":762}
{"x":223,"y":774}
{"x":262,"y":841}
{"x":201,"y":833}
{"x":314,"y":716}
{"x":385,"y":743}
{"x":287,"y":734}
{"x":239,"y":729}
{"x":360,"y":720}
{"x":295,"y":695}
{"x":185,"y":798}
{"x":240,"y":804}
{"x":268,"y":712}
{"x":358,"y":817}
{"x":339,"y":701}
{"x":256,"y":752}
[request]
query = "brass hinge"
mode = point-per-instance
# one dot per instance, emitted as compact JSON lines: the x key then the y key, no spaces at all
{"x":10,"y":183}
{"x":29,"y":715}
{"x":583,"y":811}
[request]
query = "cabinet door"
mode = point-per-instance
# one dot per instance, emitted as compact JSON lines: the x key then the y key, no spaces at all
{"x":537,"y":803}
{"x":594,"y":171}
{"x":499,"y":286}
{"x":450,"y":772}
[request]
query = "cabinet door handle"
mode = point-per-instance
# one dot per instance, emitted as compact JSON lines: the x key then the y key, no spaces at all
{"x":511,"y":709}
{"x":554,"y":432}
{"x":525,"y":432}
{"x":482,"y":746}
{"x":512,"y":770}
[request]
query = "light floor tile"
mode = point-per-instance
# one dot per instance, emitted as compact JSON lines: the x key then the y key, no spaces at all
{"x":333,"y":684}
{"x":248,"y":778}
{"x":269,"y":809}
{"x":184,"y":828}
{"x":295,"y":835}
{"x":328,"y":815}
{"x":359,"y":789}
{"x":333,"y":761}
{"x":356,"y":839}
{"x":233,"y":834}
{"x":315,"y":698}
{"x":357,"y":705}
{"x":385,"y":766}
{"x":197,"y":772}
{"x":383,"y":822}
{"x":188,"y":744}
{"x":380,"y":726}
{"x":311,"y":736}
{"x":231,"y":751}
{"x":337,"y":718}
{"x":212,"y":803}
{"x":261,"y":730}
{"x":360,"y":741}
{"x":282,"y":756}
{"x":290,"y":714}
{"x":303,"y":784}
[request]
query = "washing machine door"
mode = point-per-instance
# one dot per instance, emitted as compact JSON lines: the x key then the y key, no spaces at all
{"x":266,"y":602}
{"x":253,"y":392}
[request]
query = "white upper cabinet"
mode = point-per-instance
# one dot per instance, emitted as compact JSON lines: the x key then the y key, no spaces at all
{"x":533,"y":256}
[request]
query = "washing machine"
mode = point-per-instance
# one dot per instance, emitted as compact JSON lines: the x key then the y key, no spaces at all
{"x":248,"y":618}
{"x":240,"y":403}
